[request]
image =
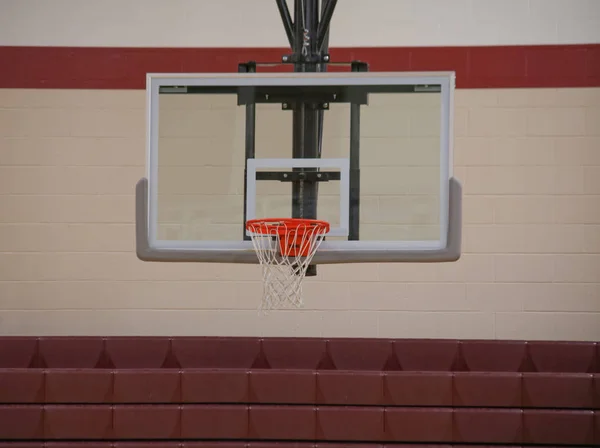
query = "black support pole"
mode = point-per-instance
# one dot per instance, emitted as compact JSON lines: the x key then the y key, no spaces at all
{"x":323,"y":29}
{"x":287,"y":20}
{"x":354,"y":218}
{"x":324,"y":49}
{"x":250,"y":149}
{"x":354,"y":213}
{"x":298,"y":31}
{"x":306,"y":115}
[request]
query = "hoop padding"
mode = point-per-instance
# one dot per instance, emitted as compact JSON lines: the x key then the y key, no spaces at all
{"x":285,"y":248}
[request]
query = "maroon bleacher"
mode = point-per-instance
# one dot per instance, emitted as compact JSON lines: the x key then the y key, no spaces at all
{"x":324,"y":393}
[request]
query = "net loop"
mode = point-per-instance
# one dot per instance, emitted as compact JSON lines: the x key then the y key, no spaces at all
{"x":285,"y":247}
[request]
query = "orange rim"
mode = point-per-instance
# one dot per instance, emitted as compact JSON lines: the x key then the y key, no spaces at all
{"x":292,"y":228}
{"x":285,"y":225}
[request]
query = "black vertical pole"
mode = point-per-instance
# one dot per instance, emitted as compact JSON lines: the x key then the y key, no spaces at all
{"x":354,"y":218}
{"x":311,"y":123}
{"x":287,"y":20}
{"x":305,"y":114}
{"x":298,"y":111}
{"x":323,"y":29}
{"x":323,"y":48}
{"x":250,"y":150}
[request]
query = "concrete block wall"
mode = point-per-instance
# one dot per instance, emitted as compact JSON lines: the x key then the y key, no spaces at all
{"x":527,"y":150}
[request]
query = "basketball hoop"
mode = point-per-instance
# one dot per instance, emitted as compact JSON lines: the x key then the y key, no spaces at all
{"x":285,"y":248}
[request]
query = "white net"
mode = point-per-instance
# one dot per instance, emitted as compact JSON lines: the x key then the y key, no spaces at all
{"x":285,"y":249}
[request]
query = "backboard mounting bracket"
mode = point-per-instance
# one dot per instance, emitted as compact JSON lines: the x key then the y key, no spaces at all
{"x":298,"y":176}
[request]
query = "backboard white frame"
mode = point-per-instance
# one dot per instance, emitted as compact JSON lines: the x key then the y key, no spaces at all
{"x":347,"y":250}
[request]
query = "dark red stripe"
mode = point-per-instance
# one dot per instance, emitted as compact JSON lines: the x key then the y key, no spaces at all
{"x":125,"y":68}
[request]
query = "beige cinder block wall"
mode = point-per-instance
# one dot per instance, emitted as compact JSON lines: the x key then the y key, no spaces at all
{"x":529,"y":161}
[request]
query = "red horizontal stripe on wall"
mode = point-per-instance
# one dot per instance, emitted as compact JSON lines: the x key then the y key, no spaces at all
{"x":125,"y":68}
